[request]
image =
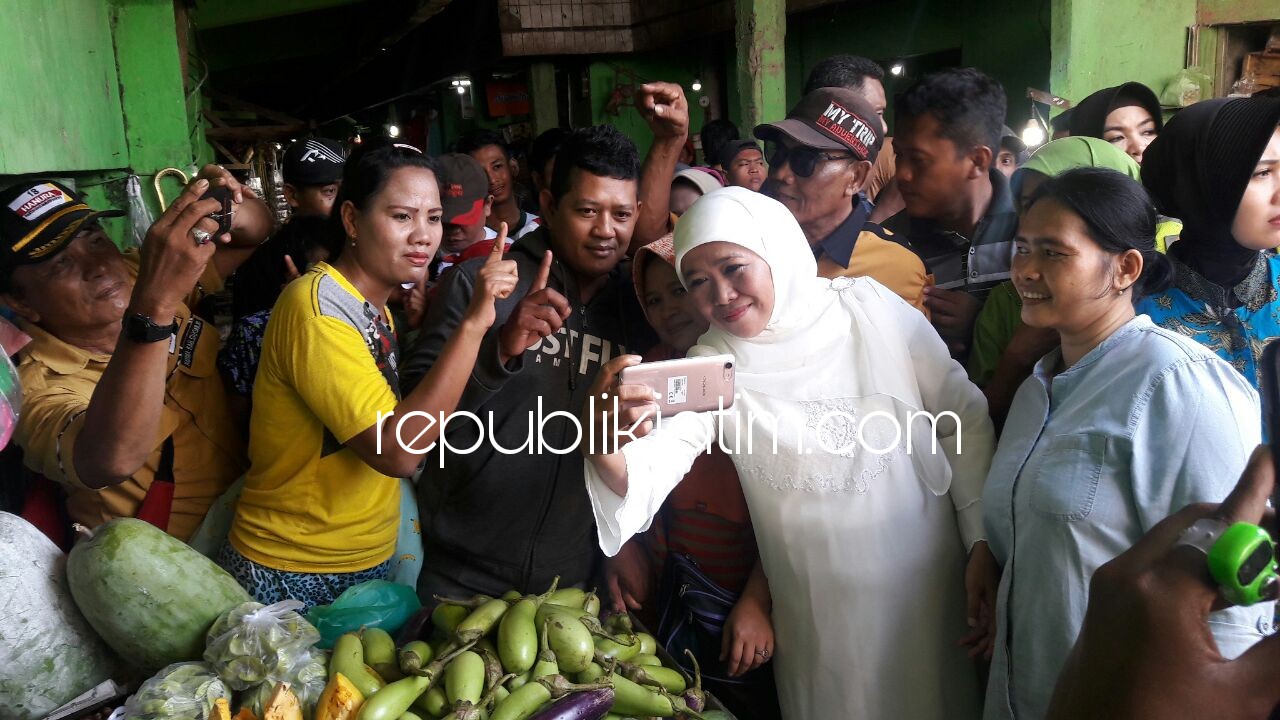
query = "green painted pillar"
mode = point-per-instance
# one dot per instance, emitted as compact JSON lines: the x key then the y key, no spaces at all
{"x":152,"y":94}
{"x":760,"y":34}
{"x":542,"y":91}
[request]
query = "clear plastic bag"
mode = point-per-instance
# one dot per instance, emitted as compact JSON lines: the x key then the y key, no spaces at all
{"x":254,"y":643}
{"x":182,"y":691}
{"x":306,"y":679}
{"x":1186,"y":88}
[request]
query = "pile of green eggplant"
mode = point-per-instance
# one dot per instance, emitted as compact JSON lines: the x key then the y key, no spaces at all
{"x":535,"y":657}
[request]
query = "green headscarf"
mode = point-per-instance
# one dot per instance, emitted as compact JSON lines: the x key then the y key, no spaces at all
{"x":1077,"y":151}
{"x":1070,"y":153}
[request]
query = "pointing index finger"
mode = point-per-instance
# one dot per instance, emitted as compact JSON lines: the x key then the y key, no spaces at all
{"x":499,"y":244}
{"x":544,"y":272}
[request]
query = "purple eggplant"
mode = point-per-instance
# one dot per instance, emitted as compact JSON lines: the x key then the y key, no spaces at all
{"x":694,"y":698}
{"x":589,"y":705}
{"x":417,"y":628}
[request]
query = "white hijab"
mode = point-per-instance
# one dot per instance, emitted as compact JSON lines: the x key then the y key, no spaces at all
{"x":828,"y":343}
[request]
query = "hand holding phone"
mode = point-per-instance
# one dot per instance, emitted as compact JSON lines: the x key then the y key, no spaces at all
{"x":696,"y":384}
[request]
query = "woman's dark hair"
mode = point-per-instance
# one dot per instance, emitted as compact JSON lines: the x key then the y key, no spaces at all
{"x":1119,"y":216}
{"x":364,"y":175}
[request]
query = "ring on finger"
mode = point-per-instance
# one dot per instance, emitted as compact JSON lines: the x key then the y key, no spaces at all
{"x":201,"y":236}
{"x":763,"y":653}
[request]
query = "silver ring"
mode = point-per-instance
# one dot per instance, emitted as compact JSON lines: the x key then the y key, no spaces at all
{"x":201,"y":236}
{"x":763,"y":653}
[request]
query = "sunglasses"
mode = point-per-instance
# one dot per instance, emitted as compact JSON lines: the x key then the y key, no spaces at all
{"x":803,"y":159}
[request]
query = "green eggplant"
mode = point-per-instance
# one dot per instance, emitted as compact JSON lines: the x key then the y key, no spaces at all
{"x":570,"y":640}
{"x":432,"y":702}
{"x":464,"y":679}
{"x":648,"y":644}
{"x":617,"y":649}
{"x":631,"y":698}
{"x":415,"y":656}
{"x":348,"y":658}
{"x":446,"y":617}
{"x":380,"y":653}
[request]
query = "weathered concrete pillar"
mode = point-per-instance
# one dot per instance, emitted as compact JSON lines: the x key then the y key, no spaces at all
{"x":542,"y":91}
{"x":760,"y":32}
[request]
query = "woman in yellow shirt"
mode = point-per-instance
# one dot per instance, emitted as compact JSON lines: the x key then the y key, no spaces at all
{"x":330,"y":435}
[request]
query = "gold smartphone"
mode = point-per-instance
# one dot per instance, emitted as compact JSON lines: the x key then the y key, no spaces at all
{"x":696,"y":384}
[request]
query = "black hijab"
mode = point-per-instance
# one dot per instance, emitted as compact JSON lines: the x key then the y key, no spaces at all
{"x":1089,"y":116}
{"x":1197,"y":170}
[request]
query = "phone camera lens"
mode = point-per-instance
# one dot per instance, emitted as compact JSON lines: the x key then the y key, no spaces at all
{"x":728,"y":366}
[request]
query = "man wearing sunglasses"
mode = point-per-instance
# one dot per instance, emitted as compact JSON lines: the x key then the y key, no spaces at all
{"x":819,"y":159}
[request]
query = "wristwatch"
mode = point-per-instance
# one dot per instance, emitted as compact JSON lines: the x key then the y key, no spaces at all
{"x":1241,"y":558}
{"x":142,"y":329}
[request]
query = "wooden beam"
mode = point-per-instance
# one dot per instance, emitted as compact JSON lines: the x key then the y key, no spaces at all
{"x":237,"y":103}
{"x":251,"y":133}
{"x":220,"y":13}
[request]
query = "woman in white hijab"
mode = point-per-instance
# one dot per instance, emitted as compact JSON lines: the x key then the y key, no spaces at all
{"x":862,"y":519}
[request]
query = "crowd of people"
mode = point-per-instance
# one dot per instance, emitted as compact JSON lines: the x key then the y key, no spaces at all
{"x":1083,"y":322}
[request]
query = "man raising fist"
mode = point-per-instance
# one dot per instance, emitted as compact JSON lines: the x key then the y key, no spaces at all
{"x":503,"y":503}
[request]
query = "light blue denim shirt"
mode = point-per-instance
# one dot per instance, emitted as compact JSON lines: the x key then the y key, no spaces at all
{"x":1089,"y":461}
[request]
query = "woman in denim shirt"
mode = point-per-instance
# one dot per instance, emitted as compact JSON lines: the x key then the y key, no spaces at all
{"x":1121,"y":426}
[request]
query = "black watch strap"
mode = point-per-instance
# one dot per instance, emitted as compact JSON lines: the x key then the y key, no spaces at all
{"x":142,"y":329}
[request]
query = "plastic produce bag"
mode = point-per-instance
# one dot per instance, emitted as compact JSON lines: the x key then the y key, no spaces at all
{"x":1188,"y":87}
{"x":376,"y":603}
{"x":254,"y":643}
{"x":182,"y":691}
{"x":306,"y":679}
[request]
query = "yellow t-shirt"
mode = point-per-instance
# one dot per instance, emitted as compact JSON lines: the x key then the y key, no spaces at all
{"x":328,"y":366}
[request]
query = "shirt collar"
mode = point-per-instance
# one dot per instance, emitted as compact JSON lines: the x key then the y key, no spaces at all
{"x":839,"y":244}
{"x":1044,"y":369}
{"x":999,"y":219}
{"x":56,"y":354}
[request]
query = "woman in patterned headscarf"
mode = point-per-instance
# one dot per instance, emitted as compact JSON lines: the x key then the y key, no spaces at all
{"x":1217,"y":166}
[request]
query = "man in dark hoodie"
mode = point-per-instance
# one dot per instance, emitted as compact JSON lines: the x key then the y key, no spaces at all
{"x":510,"y":508}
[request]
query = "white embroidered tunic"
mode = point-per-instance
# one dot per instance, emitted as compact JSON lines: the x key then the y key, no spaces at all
{"x":863,"y":542}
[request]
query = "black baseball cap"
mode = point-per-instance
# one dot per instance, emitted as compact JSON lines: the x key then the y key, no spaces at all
{"x":830,"y":119}
{"x":314,"y":161}
{"x":730,"y":151}
{"x":464,"y":187}
{"x":39,"y":218}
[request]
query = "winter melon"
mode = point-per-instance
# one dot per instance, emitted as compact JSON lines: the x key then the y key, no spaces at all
{"x":48,"y":653}
{"x":148,"y":594}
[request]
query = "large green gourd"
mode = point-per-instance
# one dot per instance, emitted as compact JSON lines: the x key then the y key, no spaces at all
{"x":148,"y":594}
{"x":48,"y":653}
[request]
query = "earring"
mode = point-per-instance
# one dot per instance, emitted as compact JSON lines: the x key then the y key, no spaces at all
{"x":353,"y":241}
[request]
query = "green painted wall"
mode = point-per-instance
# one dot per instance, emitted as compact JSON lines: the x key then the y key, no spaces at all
{"x":1008,"y":39}
{"x":1100,"y":43}
{"x":61,"y":108}
{"x":678,"y":67}
{"x":94,"y":92}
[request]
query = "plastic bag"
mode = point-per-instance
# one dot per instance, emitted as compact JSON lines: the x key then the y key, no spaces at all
{"x":306,"y":679}
{"x":1186,"y":88}
{"x":376,"y":603}
{"x":182,"y":691}
{"x":252,"y":643}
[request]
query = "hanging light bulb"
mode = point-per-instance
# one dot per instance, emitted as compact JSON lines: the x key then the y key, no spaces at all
{"x":896,"y":70}
{"x":393,"y":131}
{"x":697,"y":85}
{"x":462,"y":90}
{"x":1033,"y":134}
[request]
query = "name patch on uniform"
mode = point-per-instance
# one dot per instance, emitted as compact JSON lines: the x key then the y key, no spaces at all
{"x":187,"y":351}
